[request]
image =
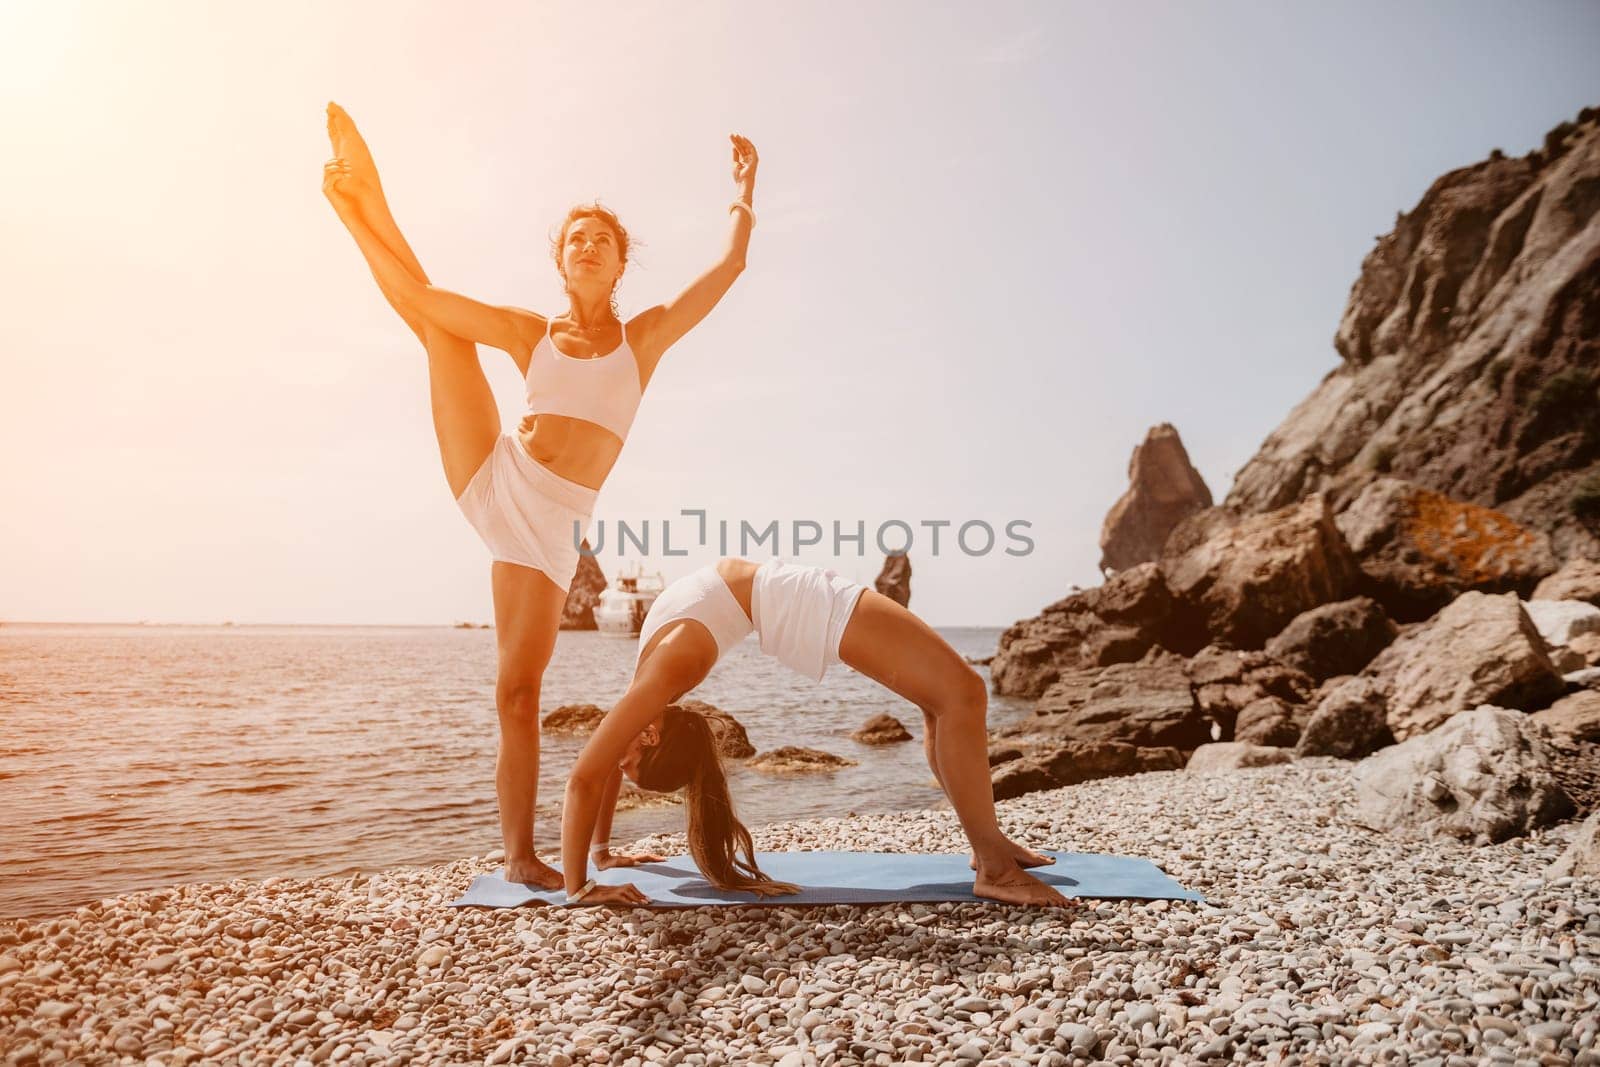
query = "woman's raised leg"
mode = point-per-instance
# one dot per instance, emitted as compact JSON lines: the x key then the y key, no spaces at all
{"x":893,"y":647}
{"x":466,"y":420}
{"x":527,"y":614}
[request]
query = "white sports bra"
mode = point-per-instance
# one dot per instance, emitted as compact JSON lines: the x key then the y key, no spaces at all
{"x":603,"y":390}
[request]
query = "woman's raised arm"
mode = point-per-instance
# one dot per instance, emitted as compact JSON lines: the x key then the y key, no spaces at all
{"x":663,"y":325}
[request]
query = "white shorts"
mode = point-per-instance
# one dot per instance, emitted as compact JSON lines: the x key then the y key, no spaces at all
{"x":526,"y":513}
{"x":801,"y":613}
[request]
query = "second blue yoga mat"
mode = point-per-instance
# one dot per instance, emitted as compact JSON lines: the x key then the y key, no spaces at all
{"x":853,"y":878}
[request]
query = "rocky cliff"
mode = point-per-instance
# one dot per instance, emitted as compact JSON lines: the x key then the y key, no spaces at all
{"x":1471,"y":353}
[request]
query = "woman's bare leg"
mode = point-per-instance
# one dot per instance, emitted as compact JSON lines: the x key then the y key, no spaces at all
{"x":893,"y":647}
{"x":466,"y":420}
{"x":527,"y":614}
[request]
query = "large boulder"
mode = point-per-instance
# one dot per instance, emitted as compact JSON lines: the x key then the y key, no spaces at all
{"x":894,"y":581}
{"x":1419,"y":549}
{"x":1117,"y":622}
{"x":1233,"y":755}
{"x":588,"y":582}
{"x":1163,"y":490}
{"x":1469,"y":353}
{"x":1576,"y":715}
{"x":1146,"y":704}
{"x":1225,"y":681}
{"x":1351,"y":719}
{"x":1484,"y":777}
{"x":1578,"y":579}
{"x":1481,"y":649}
{"x":1559,"y":622}
{"x":1243,"y":578}
{"x":1334,"y":639}
{"x":1053,"y":765}
{"x":1270,"y":722}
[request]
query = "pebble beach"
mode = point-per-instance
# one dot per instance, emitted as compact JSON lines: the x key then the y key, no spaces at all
{"x":1319,"y":942}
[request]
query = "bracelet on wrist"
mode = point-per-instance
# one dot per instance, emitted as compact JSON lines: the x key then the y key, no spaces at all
{"x":587,"y":888}
{"x":740,"y":205}
{"x":600,"y":846}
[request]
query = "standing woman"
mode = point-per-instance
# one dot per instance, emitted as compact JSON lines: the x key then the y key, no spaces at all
{"x":530,"y":494}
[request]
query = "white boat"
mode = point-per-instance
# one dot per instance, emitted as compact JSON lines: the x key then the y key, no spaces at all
{"x":625,"y":603}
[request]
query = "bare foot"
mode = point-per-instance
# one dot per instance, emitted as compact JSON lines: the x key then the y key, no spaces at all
{"x":1022,"y":856}
{"x":349,"y":145}
{"x":534,"y":872}
{"x":1015,"y":887}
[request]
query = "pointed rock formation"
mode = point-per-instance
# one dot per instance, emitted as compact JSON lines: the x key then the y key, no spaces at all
{"x":587,"y":585}
{"x":894,"y":581}
{"x":1163,"y":490}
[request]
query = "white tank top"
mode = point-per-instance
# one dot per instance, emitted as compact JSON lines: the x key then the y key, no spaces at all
{"x":603,"y":390}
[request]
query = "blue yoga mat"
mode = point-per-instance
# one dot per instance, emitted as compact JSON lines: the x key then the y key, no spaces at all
{"x":852,"y":878}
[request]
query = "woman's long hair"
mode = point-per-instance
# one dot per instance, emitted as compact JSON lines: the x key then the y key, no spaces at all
{"x":686,"y":758}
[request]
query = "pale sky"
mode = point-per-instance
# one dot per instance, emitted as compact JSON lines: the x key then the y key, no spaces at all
{"x":996,"y":243}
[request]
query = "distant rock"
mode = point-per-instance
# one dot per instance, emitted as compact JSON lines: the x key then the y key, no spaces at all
{"x":573,"y":719}
{"x":587,"y":584}
{"x":1243,"y":578}
{"x":1470,"y":357}
{"x":1164,"y":489}
{"x":791,"y":759}
{"x":1271,"y":722}
{"x":1481,"y":649}
{"x":1418,"y":549}
{"x":1578,"y":579}
{"x":894,"y":581}
{"x":1334,"y":639}
{"x":1484,"y":776}
{"x":881,"y":730}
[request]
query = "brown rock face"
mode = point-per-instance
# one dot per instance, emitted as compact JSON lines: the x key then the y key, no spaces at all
{"x":1576,"y":716}
{"x":1164,"y":489}
{"x":1579,"y":579}
{"x":894,"y":581}
{"x":1147,"y":704}
{"x":1225,"y":681}
{"x":1351,"y":719}
{"x":1114,"y":623}
{"x":1338,"y":638}
{"x":1481,"y":649}
{"x":573,"y":719}
{"x":1242,"y":578}
{"x":584,"y":593}
{"x":1052,"y":766}
{"x":1419,"y":550}
{"x":1471,"y":353}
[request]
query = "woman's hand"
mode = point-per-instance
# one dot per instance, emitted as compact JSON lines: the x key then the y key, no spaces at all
{"x":606,"y":860}
{"x":744,"y":161}
{"x":628,"y":894}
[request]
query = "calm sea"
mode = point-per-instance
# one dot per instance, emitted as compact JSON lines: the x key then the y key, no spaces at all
{"x":134,"y":757}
